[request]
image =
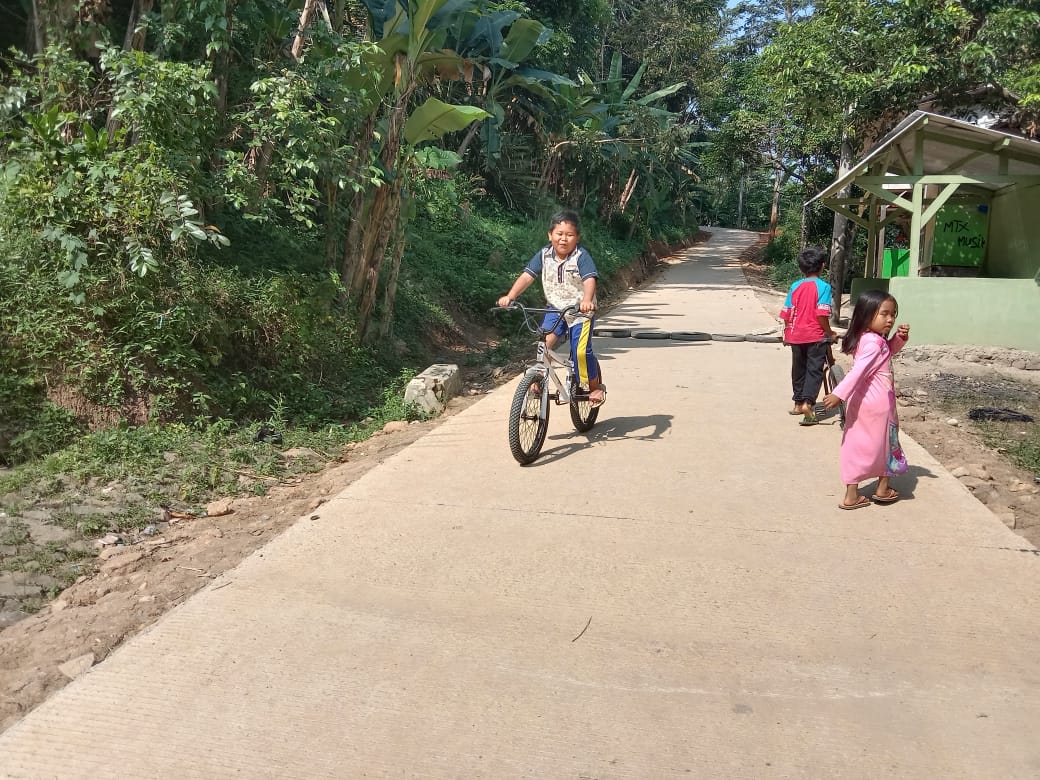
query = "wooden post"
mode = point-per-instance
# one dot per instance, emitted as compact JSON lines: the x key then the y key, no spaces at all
{"x":870,"y":266}
{"x":915,"y":229}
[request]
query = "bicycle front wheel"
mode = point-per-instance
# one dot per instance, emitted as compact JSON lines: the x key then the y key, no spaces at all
{"x":583,"y":413}
{"x":527,"y":426}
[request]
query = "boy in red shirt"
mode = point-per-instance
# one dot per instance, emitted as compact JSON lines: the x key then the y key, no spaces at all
{"x":807,"y":330}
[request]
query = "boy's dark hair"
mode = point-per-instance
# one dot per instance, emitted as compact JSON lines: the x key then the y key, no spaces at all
{"x":565,"y":215}
{"x":867,"y":305}
{"x":811,"y":260}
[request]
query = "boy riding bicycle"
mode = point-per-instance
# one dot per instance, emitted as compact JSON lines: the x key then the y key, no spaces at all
{"x":568,"y":276}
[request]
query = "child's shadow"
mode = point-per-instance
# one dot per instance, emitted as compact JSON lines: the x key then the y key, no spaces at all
{"x":905,"y":484}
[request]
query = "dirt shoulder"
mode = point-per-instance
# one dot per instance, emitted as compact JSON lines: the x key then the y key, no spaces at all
{"x":938,"y":386}
{"x":129,"y":586}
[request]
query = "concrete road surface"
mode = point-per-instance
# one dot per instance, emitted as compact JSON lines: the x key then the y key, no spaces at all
{"x":674,"y":594}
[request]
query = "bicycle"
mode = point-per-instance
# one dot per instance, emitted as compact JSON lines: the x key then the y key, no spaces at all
{"x":529,"y":412}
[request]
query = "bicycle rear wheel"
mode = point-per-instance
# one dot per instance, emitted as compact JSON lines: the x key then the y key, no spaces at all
{"x":527,"y":427}
{"x":583,"y":413}
{"x":835,"y":374}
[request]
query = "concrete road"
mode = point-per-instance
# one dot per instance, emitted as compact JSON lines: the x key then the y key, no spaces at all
{"x":674,"y":594}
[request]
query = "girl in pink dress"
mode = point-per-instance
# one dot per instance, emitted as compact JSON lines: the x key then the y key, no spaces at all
{"x":870,"y":447}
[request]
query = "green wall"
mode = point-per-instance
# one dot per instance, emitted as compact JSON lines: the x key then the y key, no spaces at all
{"x":1014,"y":234}
{"x":981,"y":312}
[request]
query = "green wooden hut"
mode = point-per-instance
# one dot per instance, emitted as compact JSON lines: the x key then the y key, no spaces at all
{"x":952,"y":214}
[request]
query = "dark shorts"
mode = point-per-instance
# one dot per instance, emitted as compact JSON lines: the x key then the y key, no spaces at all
{"x":586,"y":367}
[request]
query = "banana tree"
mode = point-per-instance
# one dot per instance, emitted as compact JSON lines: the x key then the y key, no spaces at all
{"x":500,"y":57}
{"x":604,"y":134}
{"x":411,"y":49}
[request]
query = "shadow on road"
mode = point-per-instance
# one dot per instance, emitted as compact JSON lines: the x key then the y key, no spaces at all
{"x":646,"y":428}
{"x":906,"y":483}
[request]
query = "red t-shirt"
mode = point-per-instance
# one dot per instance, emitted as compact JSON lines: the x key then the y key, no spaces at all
{"x":808,"y":299}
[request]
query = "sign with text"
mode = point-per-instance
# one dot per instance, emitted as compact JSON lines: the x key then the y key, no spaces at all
{"x":960,"y":234}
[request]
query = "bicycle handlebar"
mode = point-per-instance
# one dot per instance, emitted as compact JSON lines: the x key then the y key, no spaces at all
{"x":527,"y":311}
{"x":516,"y":305}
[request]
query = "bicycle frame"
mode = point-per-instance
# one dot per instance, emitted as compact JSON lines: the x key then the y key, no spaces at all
{"x":527,"y":426}
{"x":543,"y":367}
{"x":545,"y":358}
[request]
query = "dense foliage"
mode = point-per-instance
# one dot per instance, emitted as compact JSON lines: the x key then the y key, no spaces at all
{"x":210,"y":210}
{"x":806,"y":88}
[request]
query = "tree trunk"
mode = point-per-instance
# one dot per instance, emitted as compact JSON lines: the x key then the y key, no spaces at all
{"x":740,"y":202}
{"x":134,"y":40}
{"x":305,"y":19}
{"x":841,"y":234}
{"x":382,"y":214}
{"x":470,"y":135}
{"x":261,"y":163}
{"x":804,"y":237}
{"x":38,"y":28}
{"x":380,"y":227}
{"x":331,"y":222}
{"x":351,"y":264}
{"x":222,"y":60}
{"x":136,"y":32}
{"x":630,"y":188}
{"x":338,"y":14}
{"x":387,"y":326}
{"x":779,"y":179}
{"x":543,"y":178}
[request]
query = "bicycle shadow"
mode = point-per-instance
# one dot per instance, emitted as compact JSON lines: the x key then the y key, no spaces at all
{"x":652,"y":426}
{"x":827,"y":416}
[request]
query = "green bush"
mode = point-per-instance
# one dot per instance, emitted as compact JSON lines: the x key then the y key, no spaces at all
{"x":781,"y":255}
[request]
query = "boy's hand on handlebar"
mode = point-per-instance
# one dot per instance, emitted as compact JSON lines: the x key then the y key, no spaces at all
{"x":586,"y":306}
{"x":505,"y":301}
{"x":830,"y":401}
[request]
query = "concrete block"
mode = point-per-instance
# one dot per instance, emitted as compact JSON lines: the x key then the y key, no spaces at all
{"x":433,"y":388}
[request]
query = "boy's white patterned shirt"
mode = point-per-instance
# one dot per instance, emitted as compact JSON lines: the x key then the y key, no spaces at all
{"x":562,"y":279}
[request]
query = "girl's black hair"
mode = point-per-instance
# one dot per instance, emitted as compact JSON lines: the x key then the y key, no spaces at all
{"x":565,"y":215}
{"x":867,"y":305}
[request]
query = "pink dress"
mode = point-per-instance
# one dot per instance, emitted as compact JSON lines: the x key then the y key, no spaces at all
{"x":870,"y":447}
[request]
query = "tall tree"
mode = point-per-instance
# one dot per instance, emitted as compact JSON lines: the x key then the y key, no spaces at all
{"x":855,"y":67}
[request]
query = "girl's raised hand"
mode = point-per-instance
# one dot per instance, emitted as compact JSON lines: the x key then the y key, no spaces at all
{"x":903,"y":331}
{"x":830,"y":401}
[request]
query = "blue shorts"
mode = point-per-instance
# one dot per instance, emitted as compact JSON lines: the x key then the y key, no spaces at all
{"x":586,"y":367}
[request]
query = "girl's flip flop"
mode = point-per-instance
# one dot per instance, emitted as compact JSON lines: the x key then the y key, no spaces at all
{"x":860,"y":503}
{"x":891,"y":498}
